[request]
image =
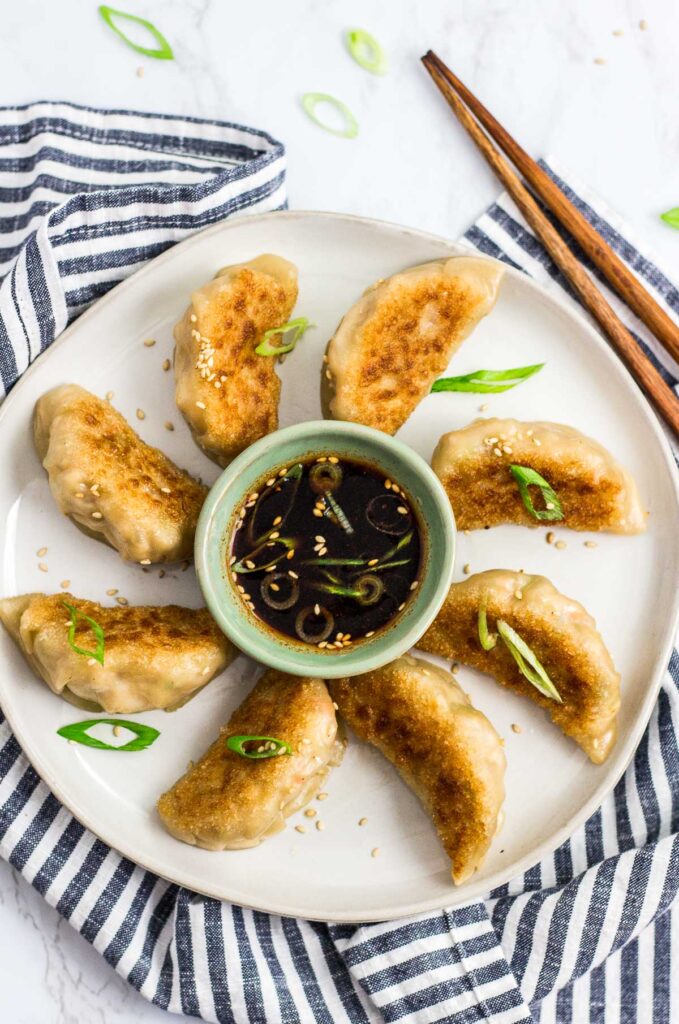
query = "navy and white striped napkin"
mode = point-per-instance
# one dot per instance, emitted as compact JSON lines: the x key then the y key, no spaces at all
{"x":582,"y":938}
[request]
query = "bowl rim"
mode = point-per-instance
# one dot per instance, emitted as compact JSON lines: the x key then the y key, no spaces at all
{"x":368,"y":656}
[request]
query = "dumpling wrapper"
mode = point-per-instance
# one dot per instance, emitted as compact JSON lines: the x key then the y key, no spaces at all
{"x":444,"y":749}
{"x":227,"y":393}
{"x":561,"y":634}
{"x":400,"y":336}
{"x":229,"y":802}
{"x":595,"y":491}
{"x":113,"y":485}
{"x":154,"y":658}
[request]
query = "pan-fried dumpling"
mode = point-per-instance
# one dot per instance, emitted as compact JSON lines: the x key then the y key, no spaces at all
{"x":558,"y":631}
{"x":110,"y":483}
{"x":153,"y":657}
{"x":595,"y":491}
{"x":229,"y":802}
{"x":227,"y":393}
{"x":400,"y":336}
{"x":444,"y":749}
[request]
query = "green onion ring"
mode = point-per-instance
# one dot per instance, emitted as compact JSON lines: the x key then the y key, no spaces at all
{"x":526,"y":477}
{"x":235,"y":743}
{"x":310,"y":101}
{"x":358,"y":42}
{"x":98,"y":654}
{"x":325,"y":477}
{"x":527,"y":662}
{"x":77,"y":731}
{"x":164,"y":51}
{"x":295,"y":328}
{"x":269,"y":598}
{"x":317,"y":637}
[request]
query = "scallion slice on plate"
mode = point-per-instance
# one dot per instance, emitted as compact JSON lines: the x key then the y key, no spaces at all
{"x":98,"y":653}
{"x":111,"y":15}
{"x":366,"y":51}
{"x":528,"y":664}
{"x":270,"y":747}
{"x":487,"y":382}
{"x":526,"y":477}
{"x":311,"y":100}
{"x":78,"y":732}
{"x":671,"y":217}
{"x":295,"y":328}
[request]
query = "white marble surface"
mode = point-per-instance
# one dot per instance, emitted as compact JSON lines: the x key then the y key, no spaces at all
{"x":533,"y":63}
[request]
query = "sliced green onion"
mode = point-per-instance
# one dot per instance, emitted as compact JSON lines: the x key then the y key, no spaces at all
{"x":671,"y":217}
{"x":335,"y":561}
{"x":77,"y":731}
{"x":486,"y":639}
{"x":487,"y":382}
{"x":367,"y":590}
{"x":272,"y":747}
{"x":309,"y":613}
{"x":287,"y":543}
{"x":295,"y":328}
{"x":98,"y":654}
{"x":366,"y":51}
{"x":164,"y":51}
{"x":526,"y":477}
{"x":529,"y":666}
{"x":310,"y":101}
{"x":340,"y":514}
{"x":403,"y":543}
{"x":294,"y":474}
{"x":389,"y":565}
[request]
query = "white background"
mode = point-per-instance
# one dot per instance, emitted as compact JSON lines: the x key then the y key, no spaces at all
{"x":531,"y":61}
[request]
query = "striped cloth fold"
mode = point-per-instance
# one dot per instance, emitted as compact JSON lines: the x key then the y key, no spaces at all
{"x":583,"y":937}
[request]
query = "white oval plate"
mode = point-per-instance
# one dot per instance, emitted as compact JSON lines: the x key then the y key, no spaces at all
{"x":628,"y":584}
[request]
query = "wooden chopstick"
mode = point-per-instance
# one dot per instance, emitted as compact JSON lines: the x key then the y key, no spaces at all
{"x":639,"y":366}
{"x":618,"y":274}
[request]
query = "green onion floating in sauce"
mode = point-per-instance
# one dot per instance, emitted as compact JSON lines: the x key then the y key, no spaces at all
{"x":366,"y":51}
{"x":97,"y":654}
{"x":339,"y":513}
{"x":164,"y":50}
{"x":295,"y":328}
{"x":528,"y":664}
{"x":310,"y":100}
{"x":526,"y":477}
{"x":327,"y":621}
{"x":248,"y":564}
{"x":293,"y":474}
{"x":366,"y":590}
{"x":486,"y":639}
{"x":78,"y":732}
{"x":487,"y":382}
{"x":269,"y":746}
{"x":325,"y":477}
{"x":671,"y":217}
{"x":279,"y":591}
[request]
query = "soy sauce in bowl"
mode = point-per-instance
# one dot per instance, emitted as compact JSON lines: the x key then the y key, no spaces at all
{"x":326,"y":551}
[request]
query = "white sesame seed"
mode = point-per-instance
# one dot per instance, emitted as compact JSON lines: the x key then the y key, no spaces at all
{"x":590,"y":544}
{"x":375,"y":852}
{"x":320,"y":826}
{"x":362,"y":821}
{"x":97,"y":515}
{"x":166,"y":365}
{"x":310,"y":812}
{"x":166,"y":490}
{"x":466,"y":568}
{"x":277,"y":520}
{"x":65,"y":584}
{"x":496,"y":451}
{"x":643,"y":24}
{"x":79,"y":494}
{"x":122,"y":601}
{"x":371,"y":633}
{"x":506,"y":449}
{"x":141,"y":415}
{"x":117,"y":730}
{"x":112,"y":592}
{"x":550,"y":537}
{"x":169,"y":425}
{"x":482,"y":408}
{"x":282,"y":472}
{"x":387,"y":484}
{"x":549,"y":505}
{"x":319,"y":539}
{"x":516,"y":727}
{"x":322,"y":796}
{"x":193,"y":318}
{"x":300,"y":829}
{"x":518,"y":594}
{"x":109,"y":396}
{"x":318,"y":513}
{"x":145,"y":561}
{"x":402,"y":510}
{"x":537,"y":441}
{"x":317,"y":609}
{"x":149,"y":342}
{"x":333,"y":459}
{"x":599,"y":60}
{"x":200,"y":405}
{"x":618,"y":32}
{"x":560,"y":544}
{"x":91,"y":661}
{"x":401,"y":607}
{"x":414,"y":585}
{"x":275,"y":535}
{"x":41,"y":552}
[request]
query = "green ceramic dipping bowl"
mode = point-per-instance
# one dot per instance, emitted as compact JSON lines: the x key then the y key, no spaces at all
{"x":247,"y":472}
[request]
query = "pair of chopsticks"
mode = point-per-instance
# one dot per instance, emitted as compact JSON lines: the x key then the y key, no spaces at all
{"x":464,"y":105}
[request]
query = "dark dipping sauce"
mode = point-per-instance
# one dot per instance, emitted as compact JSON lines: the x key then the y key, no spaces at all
{"x":327,"y":551}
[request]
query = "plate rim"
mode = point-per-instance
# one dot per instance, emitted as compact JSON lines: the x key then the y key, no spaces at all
{"x":470,"y":891}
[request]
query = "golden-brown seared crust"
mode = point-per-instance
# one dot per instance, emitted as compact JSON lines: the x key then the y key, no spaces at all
{"x":110,"y":482}
{"x":558,"y":630}
{"x":226,"y":801}
{"x":399,"y":337}
{"x":153,"y":657}
{"x":595,"y":491}
{"x":446,"y":751}
{"x":215,"y":361}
